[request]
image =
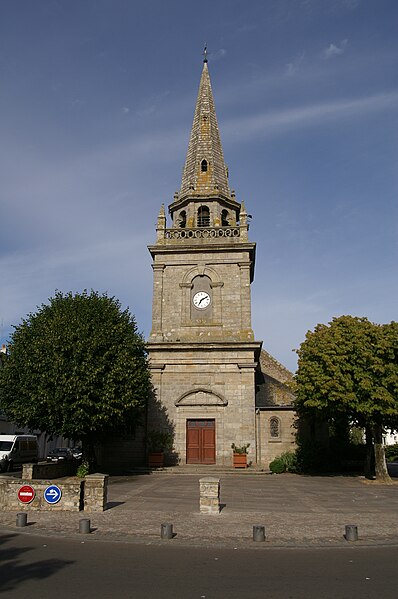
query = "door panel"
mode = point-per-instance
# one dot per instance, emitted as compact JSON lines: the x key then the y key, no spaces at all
{"x":193,"y":446}
{"x":201,"y":442}
{"x":208,"y":445}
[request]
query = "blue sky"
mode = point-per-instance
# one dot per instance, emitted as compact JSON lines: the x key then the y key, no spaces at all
{"x":96,"y":105}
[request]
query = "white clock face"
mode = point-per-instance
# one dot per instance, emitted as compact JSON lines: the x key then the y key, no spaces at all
{"x":201,"y":300}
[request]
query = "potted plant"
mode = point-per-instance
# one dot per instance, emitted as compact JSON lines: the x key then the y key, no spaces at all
{"x":240,"y":455}
{"x":158,"y":443}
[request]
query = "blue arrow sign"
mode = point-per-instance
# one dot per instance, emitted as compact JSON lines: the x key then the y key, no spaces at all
{"x":52,"y":494}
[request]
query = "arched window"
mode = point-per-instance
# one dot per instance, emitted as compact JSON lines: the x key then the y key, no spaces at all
{"x":224,"y":218}
{"x":182,"y":219}
{"x":203,"y":166}
{"x":274,"y":427}
{"x":203,"y":216}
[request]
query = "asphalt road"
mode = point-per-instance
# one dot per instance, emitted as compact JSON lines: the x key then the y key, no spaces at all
{"x":39,"y":567}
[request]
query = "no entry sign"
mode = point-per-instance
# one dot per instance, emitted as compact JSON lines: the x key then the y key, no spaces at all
{"x":26,"y":494}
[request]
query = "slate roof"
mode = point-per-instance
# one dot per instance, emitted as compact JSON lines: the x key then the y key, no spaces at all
{"x":204,"y":144}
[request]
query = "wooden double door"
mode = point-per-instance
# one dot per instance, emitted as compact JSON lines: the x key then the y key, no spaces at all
{"x":201,"y":441}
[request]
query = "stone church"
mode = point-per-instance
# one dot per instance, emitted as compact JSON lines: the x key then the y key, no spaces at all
{"x":214,"y":384}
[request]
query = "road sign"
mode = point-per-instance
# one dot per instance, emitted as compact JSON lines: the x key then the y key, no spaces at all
{"x":26,"y":494}
{"x":52,"y":494}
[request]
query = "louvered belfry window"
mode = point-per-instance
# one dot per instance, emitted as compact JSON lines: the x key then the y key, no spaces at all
{"x":203,"y":216}
{"x":224,"y":218}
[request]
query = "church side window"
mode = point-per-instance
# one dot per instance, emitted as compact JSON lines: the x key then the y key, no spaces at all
{"x":203,"y":166}
{"x":274,"y":428}
{"x":203,"y":216}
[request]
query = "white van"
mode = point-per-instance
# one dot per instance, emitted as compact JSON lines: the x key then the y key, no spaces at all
{"x":16,"y":450}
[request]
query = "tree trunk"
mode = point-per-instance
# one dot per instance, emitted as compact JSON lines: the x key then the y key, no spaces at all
{"x":88,"y":454}
{"x":369,"y":460}
{"x":380,"y":456}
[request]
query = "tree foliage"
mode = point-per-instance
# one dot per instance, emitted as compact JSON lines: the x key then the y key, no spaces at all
{"x":76,"y":368}
{"x":350,"y":367}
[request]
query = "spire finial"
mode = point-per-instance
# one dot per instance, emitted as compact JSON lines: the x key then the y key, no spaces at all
{"x":205,"y":53}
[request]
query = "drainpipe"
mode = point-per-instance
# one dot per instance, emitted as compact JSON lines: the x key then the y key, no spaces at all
{"x":258,"y":437}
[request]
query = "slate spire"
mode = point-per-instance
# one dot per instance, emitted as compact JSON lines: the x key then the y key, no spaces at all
{"x":205,"y":173}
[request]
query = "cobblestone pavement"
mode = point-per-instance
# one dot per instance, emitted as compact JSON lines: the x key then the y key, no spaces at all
{"x":295,"y":510}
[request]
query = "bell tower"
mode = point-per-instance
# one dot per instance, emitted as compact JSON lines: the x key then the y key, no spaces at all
{"x":201,"y":348}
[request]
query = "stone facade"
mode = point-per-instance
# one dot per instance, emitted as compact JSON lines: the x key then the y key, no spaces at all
{"x":210,"y":378}
{"x":276,"y":418}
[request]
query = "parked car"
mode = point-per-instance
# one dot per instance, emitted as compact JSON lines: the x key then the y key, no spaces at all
{"x":77,"y":453}
{"x":16,"y":450}
{"x":59,"y":454}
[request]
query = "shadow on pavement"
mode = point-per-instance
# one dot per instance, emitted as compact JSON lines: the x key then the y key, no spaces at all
{"x":112,"y":504}
{"x":15,"y":569}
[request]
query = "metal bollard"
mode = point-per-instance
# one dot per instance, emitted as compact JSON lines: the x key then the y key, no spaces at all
{"x":259,"y":533}
{"x":22,"y":519}
{"x":351,"y":532}
{"x":84,"y":526}
{"x":166,"y":531}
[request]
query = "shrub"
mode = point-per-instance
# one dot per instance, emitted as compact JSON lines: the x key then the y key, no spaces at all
{"x":312,"y":457}
{"x":160,"y":441}
{"x":391,"y":452}
{"x":240,"y":448}
{"x":83,"y":470}
{"x":277,"y":466}
{"x":286,"y":462}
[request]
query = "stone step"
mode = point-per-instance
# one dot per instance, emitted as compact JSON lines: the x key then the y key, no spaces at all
{"x":203,"y":470}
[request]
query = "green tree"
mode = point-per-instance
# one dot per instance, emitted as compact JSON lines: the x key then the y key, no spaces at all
{"x":76,"y":368}
{"x":349,"y":367}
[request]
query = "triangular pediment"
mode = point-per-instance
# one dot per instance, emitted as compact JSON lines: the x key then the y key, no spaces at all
{"x":201,"y":397}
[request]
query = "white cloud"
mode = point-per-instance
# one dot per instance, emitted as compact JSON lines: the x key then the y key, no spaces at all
{"x":271,"y":123}
{"x":293,"y":66}
{"x":113,"y":264}
{"x":218,"y":54}
{"x":334,"y":50}
{"x":153,"y":103}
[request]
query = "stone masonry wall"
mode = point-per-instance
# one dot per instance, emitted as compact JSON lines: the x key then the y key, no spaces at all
{"x":229,"y":272}
{"x":228,"y":376}
{"x":49,"y":470}
{"x":89,"y":494}
{"x":269,"y":447}
{"x":71,"y":489}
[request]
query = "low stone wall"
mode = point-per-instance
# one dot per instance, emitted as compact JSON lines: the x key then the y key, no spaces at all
{"x":95,"y":492}
{"x":49,"y":470}
{"x":71,"y":489}
{"x":89,"y":494}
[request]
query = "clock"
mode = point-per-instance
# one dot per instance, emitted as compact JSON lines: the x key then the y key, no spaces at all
{"x":201,"y":300}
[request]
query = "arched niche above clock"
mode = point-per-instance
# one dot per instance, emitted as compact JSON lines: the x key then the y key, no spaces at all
{"x":201,"y":296}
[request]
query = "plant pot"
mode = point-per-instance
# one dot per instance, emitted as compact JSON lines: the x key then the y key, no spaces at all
{"x":239,"y":460}
{"x":156,"y":459}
